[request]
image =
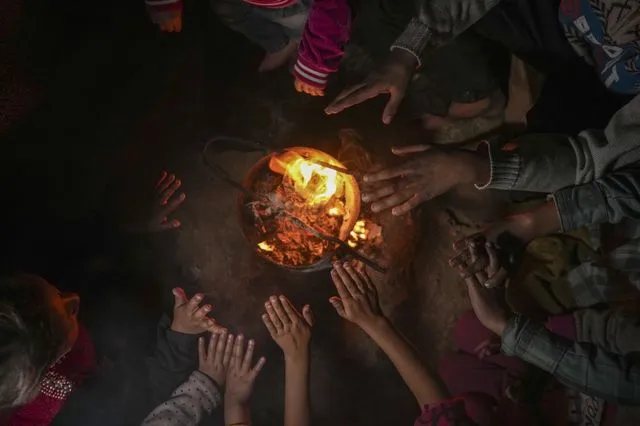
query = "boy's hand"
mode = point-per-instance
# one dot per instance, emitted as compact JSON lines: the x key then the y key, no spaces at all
{"x":169,"y":21}
{"x":358,"y":301}
{"x":484,"y":301}
{"x":303,"y":87}
{"x":165,"y":203}
{"x":215,"y":357}
{"x":288,"y":328}
{"x":189,"y":317}
{"x":240,"y":375}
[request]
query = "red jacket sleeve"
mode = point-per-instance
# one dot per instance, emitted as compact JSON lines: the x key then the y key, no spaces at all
{"x":322,"y":46}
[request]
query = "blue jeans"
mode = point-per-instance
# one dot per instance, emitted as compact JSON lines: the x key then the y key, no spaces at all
{"x":271,"y":29}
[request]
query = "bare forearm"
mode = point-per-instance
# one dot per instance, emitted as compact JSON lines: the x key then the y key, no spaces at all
{"x":236,"y":413}
{"x":296,"y":391}
{"x":406,"y":360}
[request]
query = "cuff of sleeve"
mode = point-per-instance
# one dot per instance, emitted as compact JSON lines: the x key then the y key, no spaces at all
{"x":308,"y":75}
{"x":505,"y":169}
{"x":580,"y":206}
{"x":414,"y":39}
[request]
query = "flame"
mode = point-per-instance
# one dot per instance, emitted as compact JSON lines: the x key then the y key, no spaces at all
{"x":316,"y":183}
{"x":265,"y":246}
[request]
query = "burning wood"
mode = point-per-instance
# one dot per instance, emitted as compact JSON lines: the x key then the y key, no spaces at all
{"x":302,"y":210}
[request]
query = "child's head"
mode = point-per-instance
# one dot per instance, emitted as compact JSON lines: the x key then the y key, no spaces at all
{"x":38,"y":324}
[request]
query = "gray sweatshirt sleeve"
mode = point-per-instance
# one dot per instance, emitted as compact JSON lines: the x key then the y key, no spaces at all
{"x":612,"y":330}
{"x":189,"y":403}
{"x":547,"y":163}
{"x":606,"y":200}
{"x":440,"y":21}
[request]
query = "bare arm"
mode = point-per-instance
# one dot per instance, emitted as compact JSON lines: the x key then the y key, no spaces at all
{"x":404,"y":357}
{"x":296,"y":392}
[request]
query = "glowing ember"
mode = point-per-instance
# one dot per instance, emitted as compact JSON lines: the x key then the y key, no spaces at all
{"x":358,"y":234}
{"x":265,"y":246}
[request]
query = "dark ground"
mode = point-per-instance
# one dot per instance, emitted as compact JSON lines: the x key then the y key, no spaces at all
{"x":122,"y":102}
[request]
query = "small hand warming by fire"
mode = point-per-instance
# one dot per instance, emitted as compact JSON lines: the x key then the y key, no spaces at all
{"x":300,"y":199}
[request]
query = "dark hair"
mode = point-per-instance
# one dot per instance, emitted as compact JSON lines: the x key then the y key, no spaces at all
{"x":30,"y":338}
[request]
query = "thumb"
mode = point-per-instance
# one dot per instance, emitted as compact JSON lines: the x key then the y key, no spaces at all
{"x":307,"y":314}
{"x":338,"y":306}
{"x":392,"y":106}
{"x":179,"y":297}
{"x":411,"y":149}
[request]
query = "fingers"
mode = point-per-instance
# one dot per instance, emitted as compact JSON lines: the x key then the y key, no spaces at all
{"x":354,"y":97}
{"x":202,"y":355}
{"x":497,"y":279}
{"x":169,"y":224}
{"x":475,"y":266}
{"x":337,"y":304}
{"x":179,"y":297}
{"x":170,"y":207}
{"x":392,"y":106}
{"x":215,"y":350}
{"x":337,"y":104}
{"x":267,"y":323}
{"x":163,"y":176}
{"x":273,"y":316}
{"x":407,"y":206}
{"x":392,"y":202}
{"x":337,"y":281}
{"x":248,"y":355}
{"x":258,"y":367}
{"x":307,"y":314}
{"x":347,"y":282}
{"x":279,"y":310}
{"x":411,"y":149}
{"x":379,"y":193}
{"x":467,"y":241}
{"x":165,"y":182}
{"x":168,"y":193}
{"x":390,"y":173}
{"x":228,"y":349}
{"x":201,"y":312}
{"x":217,"y":346}
{"x":195,"y":301}
{"x":291,"y":312}
{"x":355,"y":277}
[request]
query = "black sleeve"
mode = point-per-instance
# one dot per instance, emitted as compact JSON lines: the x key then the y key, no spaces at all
{"x":175,"y":358}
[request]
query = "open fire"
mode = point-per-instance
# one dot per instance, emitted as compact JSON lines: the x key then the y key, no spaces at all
{"x":300,"y":202}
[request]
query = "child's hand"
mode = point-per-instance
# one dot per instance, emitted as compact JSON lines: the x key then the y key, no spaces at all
{"x":472,"y":259}
{"x":307,"y":88}
{"x":290,"y":330}
{"x":215,"y":357}
{"x":358,"y":301}
{"x":240,"y":375}
{"x":189,"y":317}
{"x":169,"y":21}
{"x":165,"y":203}
{"x":485,"y":301}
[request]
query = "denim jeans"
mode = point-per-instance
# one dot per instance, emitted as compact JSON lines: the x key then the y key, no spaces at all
{"x":271,"y":29}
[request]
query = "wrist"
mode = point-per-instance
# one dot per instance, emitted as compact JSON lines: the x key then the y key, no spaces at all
{"x":475,"y":166}
{"x":374,"y":325}
{"x":499,"y":326}
{"x":299,"y":357}
{"x":404,"y":59}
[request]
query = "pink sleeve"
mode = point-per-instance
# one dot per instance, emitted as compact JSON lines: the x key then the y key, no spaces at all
{"x":322,"y":46}
{"x":451,"y":412}
{"x":163,"y":6}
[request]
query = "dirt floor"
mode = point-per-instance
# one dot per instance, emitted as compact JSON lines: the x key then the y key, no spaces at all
{"x":166,"y":99}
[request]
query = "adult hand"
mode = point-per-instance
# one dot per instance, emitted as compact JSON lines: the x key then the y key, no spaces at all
{"x":288,"y":328}
{"x":241,"y":375}
{"x":165,"y":203}
{"x":358,"y":297}
{"x":189,"y":317}
{"x":485,"y":301}
{"x":392,"y":78}
{"x":427,"y":174}
{"x":216,"y":356}
{"x":169,"y":21}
